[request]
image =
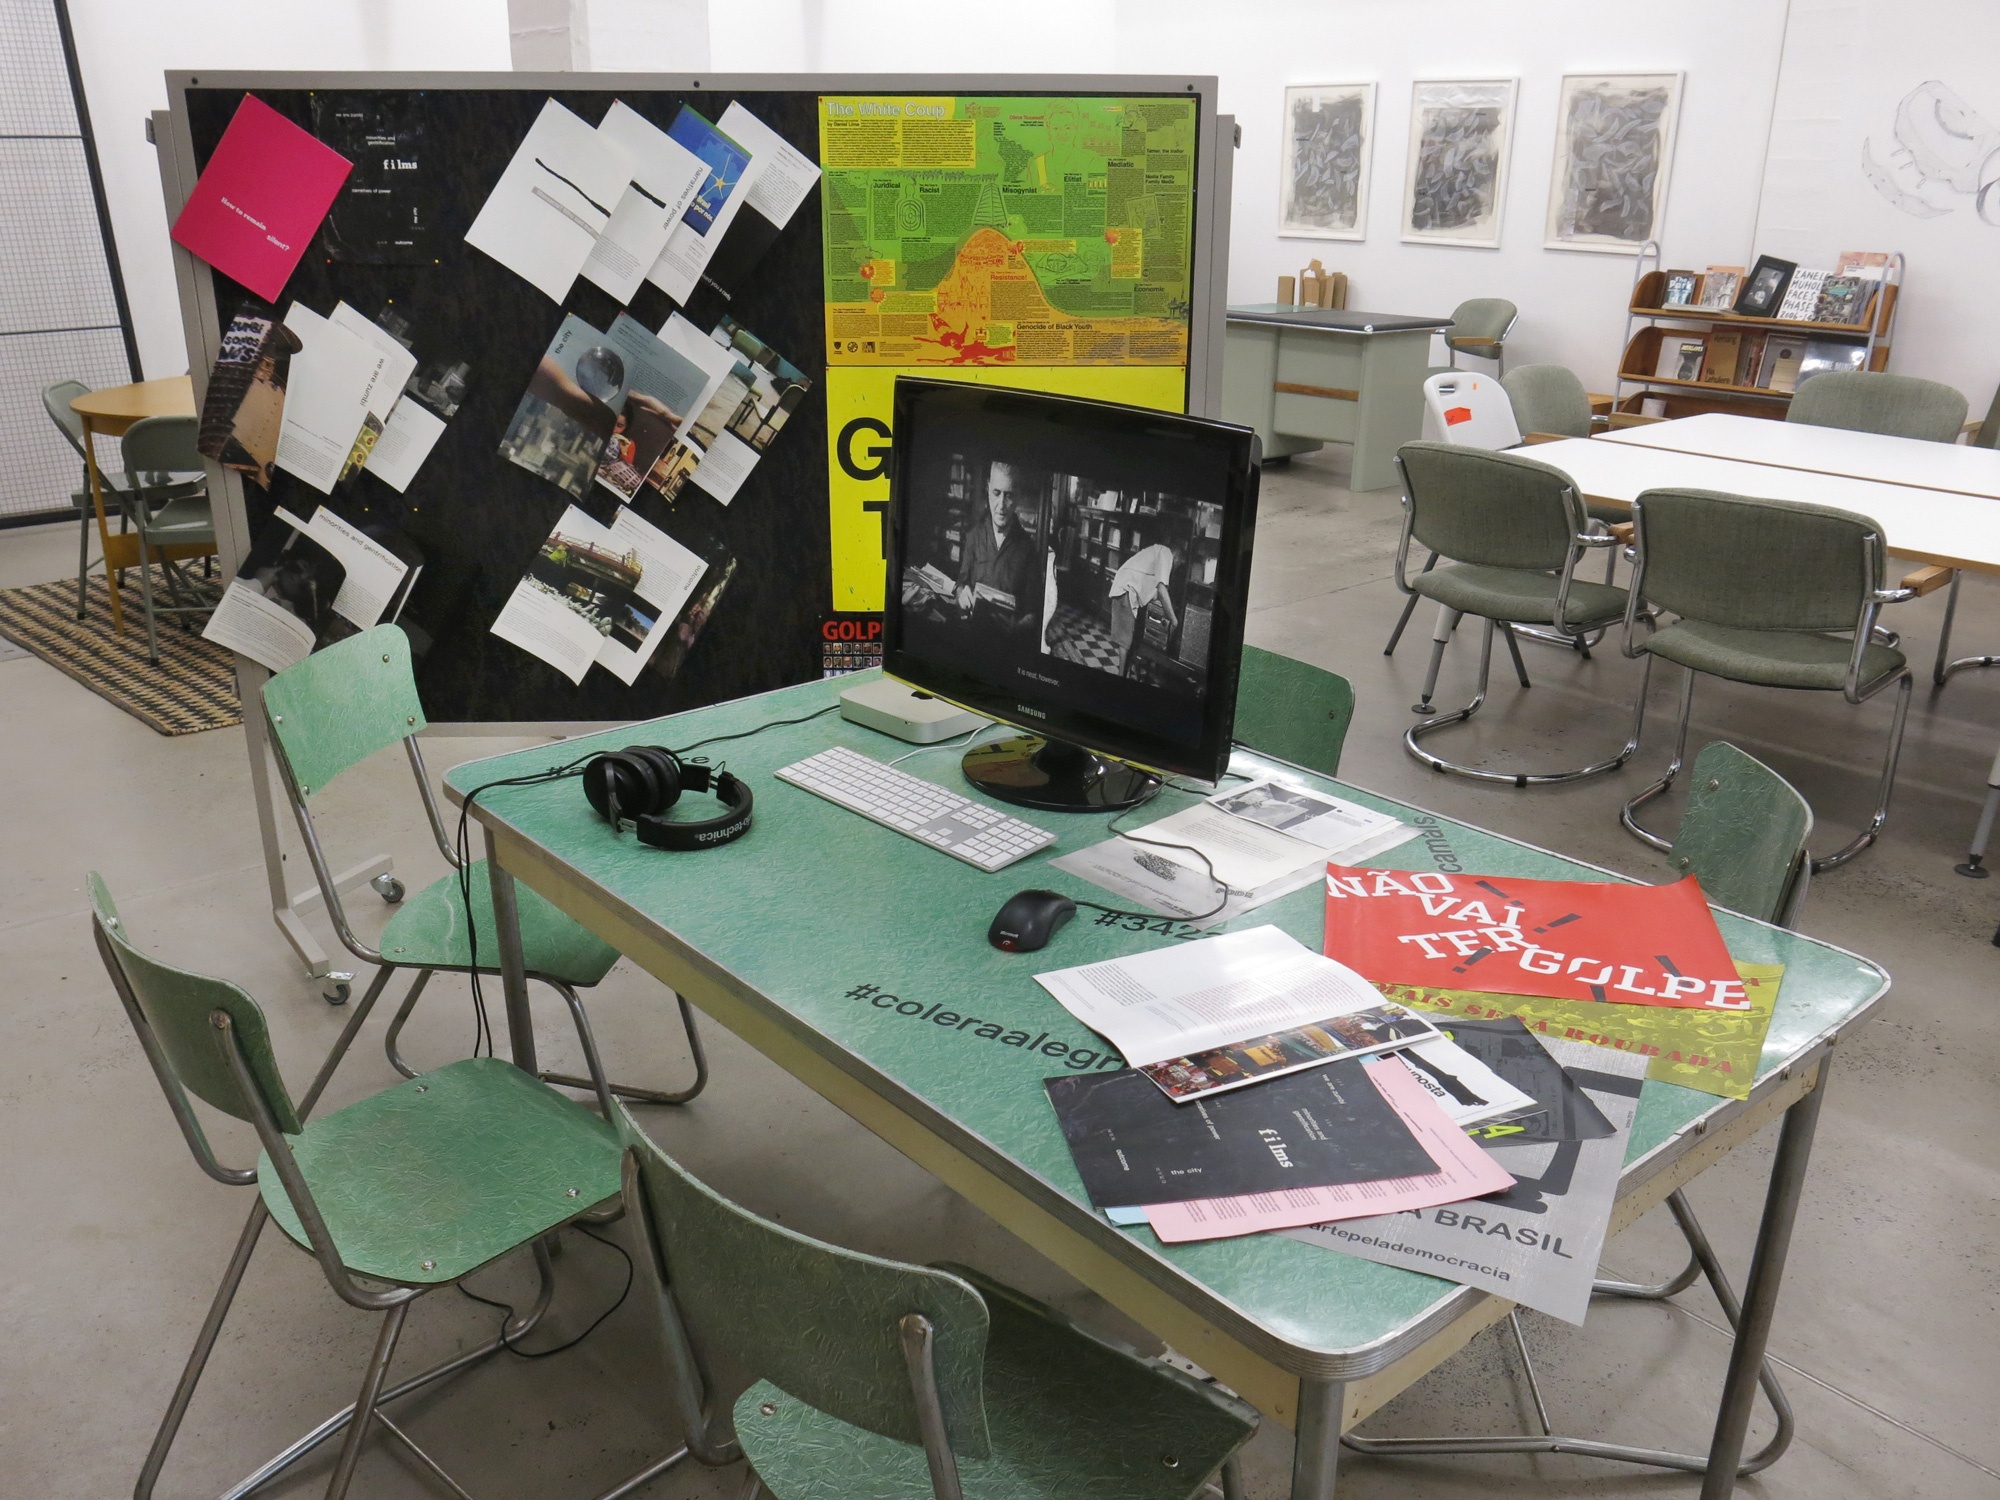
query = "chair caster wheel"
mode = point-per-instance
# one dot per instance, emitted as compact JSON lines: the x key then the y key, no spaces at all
{"x":336,"y":988}
{"x":389,"y":888}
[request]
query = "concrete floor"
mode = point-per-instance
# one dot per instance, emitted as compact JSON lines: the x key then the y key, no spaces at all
{"x":1887,"y":1331}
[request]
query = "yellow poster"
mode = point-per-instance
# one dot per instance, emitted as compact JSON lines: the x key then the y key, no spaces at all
{"x":859,"y":405}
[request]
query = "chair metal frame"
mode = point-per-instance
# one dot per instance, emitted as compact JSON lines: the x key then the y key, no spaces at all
{"x":142,"y":499}
{"x":330,"y":888}
{"x":1499,"y":354}
{"x":1852,"y":689}
{"x":390,"y":1299}
{"x":1946,"y":667}
{"x":1448,"y":619}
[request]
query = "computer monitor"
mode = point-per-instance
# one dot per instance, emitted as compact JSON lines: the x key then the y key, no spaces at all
{"x":1079,"y":570}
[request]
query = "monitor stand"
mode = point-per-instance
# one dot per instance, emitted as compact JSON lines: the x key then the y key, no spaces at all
{"x":1056,"y":775}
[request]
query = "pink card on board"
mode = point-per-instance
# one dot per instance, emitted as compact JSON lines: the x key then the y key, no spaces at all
{"x":261,"y":198}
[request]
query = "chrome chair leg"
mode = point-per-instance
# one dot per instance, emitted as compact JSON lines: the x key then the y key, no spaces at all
{"x":1528,"y":1369}
{"x":429,"y":1465}
{"x":395,"y":1030}
{"x":364,"y":1404}
{"x":146,"y":595}
{"x":1415,"y":733}
{"x":1409,"y":608}
{"x":597,"y":1079}
{"x":1232,"y":1479}
{"x":1514,"y":650}
{"x":1943,"y":669}
{"x":1628,"y":815}
{"x":82,"y":562}
{"x":204,"y":1345}
{"x":646,"y":1475}
{"x":1886,"y":787}
{"x":1440,"y":638}
{"x":752,"y":1486}
{"x":1975,"y":860}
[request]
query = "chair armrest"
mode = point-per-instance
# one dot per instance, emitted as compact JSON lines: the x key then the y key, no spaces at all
{"x":1970,"y":426}
{"x":1528,"y":439}
{"x":1622,"y":530}
{"x":1926,"y":580}
{"x":1600,"y":404}
{"x":1632,"y":419}
{"x":1471,"y":341}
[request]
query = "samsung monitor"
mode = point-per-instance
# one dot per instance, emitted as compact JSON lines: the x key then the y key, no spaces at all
{"x":1075,"y":569}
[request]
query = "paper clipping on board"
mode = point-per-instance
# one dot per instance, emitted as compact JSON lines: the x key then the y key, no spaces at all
{"x":781,"y":177}
{"x":243,"y":410}
{"x":405,"y":443}
{"x":748,"y":407}
{"x":1461,"y":1170}
{"x":280,"y":605}
{"x":398,"y":365}
{"x":731,"y":171}
{"x":374,"y":573}
{"x":668,"y":378}
{"x":334,"y":381}
{"x":1537,"y":1243}
{"x":1191,"y":997}
{"x":544,"y":215}
{"x":665,"y":178}
{"x":566,"y":415}
{"x":668,"y":575}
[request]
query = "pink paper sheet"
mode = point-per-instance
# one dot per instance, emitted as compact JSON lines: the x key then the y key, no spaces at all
{"x":260,"y":200}
{"x":1464,"y":1171}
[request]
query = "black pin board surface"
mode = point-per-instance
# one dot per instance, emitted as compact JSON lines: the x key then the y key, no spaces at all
{"x":479,"y":519}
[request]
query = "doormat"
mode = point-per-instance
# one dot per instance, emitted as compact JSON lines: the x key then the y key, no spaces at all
{"x":192,"y":689}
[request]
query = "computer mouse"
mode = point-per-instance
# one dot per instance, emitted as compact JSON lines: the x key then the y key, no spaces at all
{"x":1029,"y":920}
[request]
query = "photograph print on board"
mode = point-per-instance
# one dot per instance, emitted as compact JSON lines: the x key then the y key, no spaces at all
{"x":1614,"y":153}
{"x":1329,"y":134}
{"x":1455,"y":187}
{"x":569,"y":410}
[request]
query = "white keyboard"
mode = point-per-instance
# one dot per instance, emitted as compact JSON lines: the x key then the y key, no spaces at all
{"x":926,"y":812}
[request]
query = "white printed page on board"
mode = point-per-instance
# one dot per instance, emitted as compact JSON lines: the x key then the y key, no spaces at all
{"x":665,"y":178}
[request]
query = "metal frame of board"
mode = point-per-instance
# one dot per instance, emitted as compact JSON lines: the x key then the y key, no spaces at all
{"x":1208,"y":282}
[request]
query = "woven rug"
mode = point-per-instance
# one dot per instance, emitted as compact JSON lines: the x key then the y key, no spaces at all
{"x":192,"y":689}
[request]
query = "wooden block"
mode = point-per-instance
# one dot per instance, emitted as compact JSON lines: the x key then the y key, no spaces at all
{"x":1528,"y":439}
{"x":1288,"y":289}
{"x":1600,"y":405}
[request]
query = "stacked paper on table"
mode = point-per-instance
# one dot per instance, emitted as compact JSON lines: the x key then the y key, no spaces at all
{"x":1537,"y":1243}
{"x":1261,"y":841}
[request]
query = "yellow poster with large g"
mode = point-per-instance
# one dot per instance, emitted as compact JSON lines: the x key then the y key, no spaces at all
{"x":860,"y":402}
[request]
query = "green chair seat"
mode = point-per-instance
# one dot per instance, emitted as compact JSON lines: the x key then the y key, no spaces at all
{"x":1772,"y":658}
{"x":428,"y":932}
{"x":1519,"y":596}
{"x":427,"y":1181}
{"x":1068,"y":1414}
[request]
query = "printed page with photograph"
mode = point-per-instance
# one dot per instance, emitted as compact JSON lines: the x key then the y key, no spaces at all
{"x":543,"y":216}
{"x":731,"y":172}
{"x":665,"y":178}
{"x":666,"y":378}
{"x":280,"y":605}
{"x":1354,"y":1032}
{"x":374,"y":572}
{"x":746,"y":413}
{"x":567,"y":414}
{"x":333,"y":380}
{"x":1190,"y":997}
{"x":668,"y":576}
{"x":406,"y":441}
{"x":781,"y":177}
{"x":579,"y":590}
{"x":1337,"y":828}
{"x":398,"y":364}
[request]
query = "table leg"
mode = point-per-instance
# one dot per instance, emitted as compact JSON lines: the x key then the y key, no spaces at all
{"x":103,"y":526}
{"x":513,"y":966}
{"x":1760,"y":1296}
{"x":1316,"y":1449}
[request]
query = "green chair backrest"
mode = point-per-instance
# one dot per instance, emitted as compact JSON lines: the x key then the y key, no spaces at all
{"x":343,"y":703}
{"x":177,"y":1005}
{"x":1481,"y":318}
{"x":815,"y":1320}
{"x":162,"y":445}
{"x":56,"y":402}
{"x":1755,"y":564}
{"x":1744,"y":833}
{"x":1988,"y":435}
{"x":1874,"y":401}
{"x":1548,"y":398}
{"x":1496,"y":509}
{"x":1291,"y":710}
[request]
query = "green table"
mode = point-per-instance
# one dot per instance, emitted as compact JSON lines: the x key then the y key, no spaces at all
{"x":852,"y":957}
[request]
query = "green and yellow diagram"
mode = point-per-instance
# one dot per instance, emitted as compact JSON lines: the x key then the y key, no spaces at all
{"x":1007,"y":231}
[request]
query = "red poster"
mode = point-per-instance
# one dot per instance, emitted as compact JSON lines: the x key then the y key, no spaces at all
{"x":261,"y":198}
{"x":1569,"y":939}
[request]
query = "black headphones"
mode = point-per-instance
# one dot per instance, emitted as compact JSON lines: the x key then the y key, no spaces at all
{"x":641,"y":782}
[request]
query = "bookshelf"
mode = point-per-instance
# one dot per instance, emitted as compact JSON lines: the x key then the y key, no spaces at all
{"x":1651,"y":326}
{"x":1114,"y":525}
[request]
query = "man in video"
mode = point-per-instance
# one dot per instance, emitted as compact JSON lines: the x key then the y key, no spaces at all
{"x":999,"y":557}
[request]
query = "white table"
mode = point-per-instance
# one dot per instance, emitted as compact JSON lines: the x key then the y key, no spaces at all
{"x":1952,"y":527}
{"x":1824,"y":450}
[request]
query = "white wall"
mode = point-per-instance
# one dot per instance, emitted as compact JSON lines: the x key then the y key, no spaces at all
{"x":1571,"y":303}
{"x":126,"y":46}
{"x":1848,"y":65}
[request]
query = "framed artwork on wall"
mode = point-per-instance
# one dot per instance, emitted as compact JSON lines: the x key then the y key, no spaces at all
{"x":1329,"y":136}
{"x":1614,"y":154}
{"x":1455,"y":188}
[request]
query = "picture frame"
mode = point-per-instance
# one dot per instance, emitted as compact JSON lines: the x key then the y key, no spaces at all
{"x":1614,"y":155}
{"x":1763,"y":291}
{"x":1455,"y":179}
{"x":1328,"y":140}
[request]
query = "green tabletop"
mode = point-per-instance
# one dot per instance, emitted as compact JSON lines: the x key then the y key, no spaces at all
{"x":873,"y":947}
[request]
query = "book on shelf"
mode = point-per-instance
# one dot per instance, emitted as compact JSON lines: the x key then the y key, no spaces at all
{"x":1719,"y":365}
{"x":1680,"y":289}
{"x":1681,"y":356}
{"x":1870,"y":265}
{"x":1844,"y":299}
{"x":1718,"y":288}
{"x":1749,"y":359}
{"x":1822,"y":355}
{"x":1779,"y":369}
{"x":1802,"y":296}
